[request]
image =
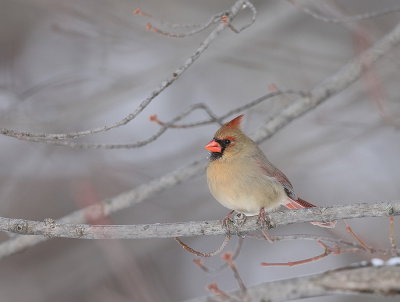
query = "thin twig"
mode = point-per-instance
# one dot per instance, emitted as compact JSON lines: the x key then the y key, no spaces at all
{"x":327,"y":251}
{"x":336,"y":250}
{"x":201,"y":254}
{"x":344,"y":19}
{"x":213,"y":287}
{"x":160,"y":31}
{"x":392,"y":237}
{"x":228,"y":258}
{"x":233,"y":11}
{"x":137,"y":144}
{"x":357,"y":238}
{"x":227,"y":20}
{"x":214,"y":118}
{"x":298,"y":262}
{"x":267,"y":236}
{"x":165,"y":125}
{"x":199,"y":262}
{"x":336,"y":241}
{"x":223,"y":16}
{"x":140,"y":12}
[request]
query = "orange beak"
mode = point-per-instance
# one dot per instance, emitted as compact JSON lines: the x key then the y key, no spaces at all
{"x":213,"y":146}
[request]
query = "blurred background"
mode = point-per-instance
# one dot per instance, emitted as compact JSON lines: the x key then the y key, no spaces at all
{"x":74,"y":65}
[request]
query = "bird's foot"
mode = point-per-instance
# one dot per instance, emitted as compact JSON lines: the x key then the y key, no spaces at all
{"x":263,"y":220}
{"x":239,"y":219}
{"x":227,"y":220}
{"x":232,"y":223}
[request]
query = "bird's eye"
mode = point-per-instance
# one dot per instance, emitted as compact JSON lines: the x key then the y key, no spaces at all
{"x":227,"y":141}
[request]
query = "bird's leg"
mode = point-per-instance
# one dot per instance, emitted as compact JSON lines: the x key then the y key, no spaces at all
{"x":227,"y":219}
{"x":263,"y":219}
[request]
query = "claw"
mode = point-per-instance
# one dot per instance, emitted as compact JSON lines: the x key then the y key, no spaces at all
{"x":232,"y":224}
{"x":227,"y":220}
{"x":263,"y":219}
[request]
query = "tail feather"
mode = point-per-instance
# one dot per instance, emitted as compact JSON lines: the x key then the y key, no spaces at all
{"x":301,"y":204}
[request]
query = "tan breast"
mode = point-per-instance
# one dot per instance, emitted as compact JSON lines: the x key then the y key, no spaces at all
{"x":241,"y":185}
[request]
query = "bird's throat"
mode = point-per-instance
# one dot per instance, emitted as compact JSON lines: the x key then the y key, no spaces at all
{"x":215,"y":155}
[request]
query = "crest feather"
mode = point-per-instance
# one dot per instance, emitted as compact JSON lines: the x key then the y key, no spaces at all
{"x":235,"y":123}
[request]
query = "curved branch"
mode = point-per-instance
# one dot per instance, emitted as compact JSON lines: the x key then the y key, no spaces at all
{"x":232,"y":12}
{"x":165,"y":126}
{"x":197,"y":28}
{"x":49,"y":228}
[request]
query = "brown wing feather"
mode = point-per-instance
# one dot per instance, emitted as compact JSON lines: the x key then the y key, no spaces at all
{"x":294,"y":202}
{"x":300,"y":204}
{"x":272,"y":171}
{"x":304,"y":204}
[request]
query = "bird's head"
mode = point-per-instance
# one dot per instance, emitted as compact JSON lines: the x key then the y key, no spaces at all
{"x":229,"y":141}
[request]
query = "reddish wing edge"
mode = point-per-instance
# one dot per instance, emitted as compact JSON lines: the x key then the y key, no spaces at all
{"x":294,"y":202}
{"x":301,"y":204}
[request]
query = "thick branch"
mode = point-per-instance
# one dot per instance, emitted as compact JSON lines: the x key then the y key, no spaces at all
{"x":332,"y":85}
{"x":50,"y":228}
{"x":382,"y":281}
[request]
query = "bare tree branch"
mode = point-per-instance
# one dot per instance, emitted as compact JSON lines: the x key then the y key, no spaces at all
{"x":332,"y":85}
{"x":374,"y":280}
{"x":339,"y":81}
{"x":342,"y":244}
{"x":231,"y":13}
{"x":197,"y":28}
{"x":214,"y":119}
{"x":165,"y":126}
{"x":345,"y":19}
{"x":49,"y":228}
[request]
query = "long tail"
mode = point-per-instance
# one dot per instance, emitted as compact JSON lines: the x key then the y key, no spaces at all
{"x":301,"y":204}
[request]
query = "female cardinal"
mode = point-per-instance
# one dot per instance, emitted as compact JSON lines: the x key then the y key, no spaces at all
{"x":242,"y":179}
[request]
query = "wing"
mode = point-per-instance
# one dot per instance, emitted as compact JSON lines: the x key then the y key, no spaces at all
{"x":293,"y":202}
{"x":286,"y":184}
{"x":272,"y":171}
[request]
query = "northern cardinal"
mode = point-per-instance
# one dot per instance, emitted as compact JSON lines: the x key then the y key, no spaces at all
{"x":242,"y":179}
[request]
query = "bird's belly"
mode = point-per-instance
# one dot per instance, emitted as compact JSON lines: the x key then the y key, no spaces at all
{"x":248,"y":196}
{"x":248,"y":205}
